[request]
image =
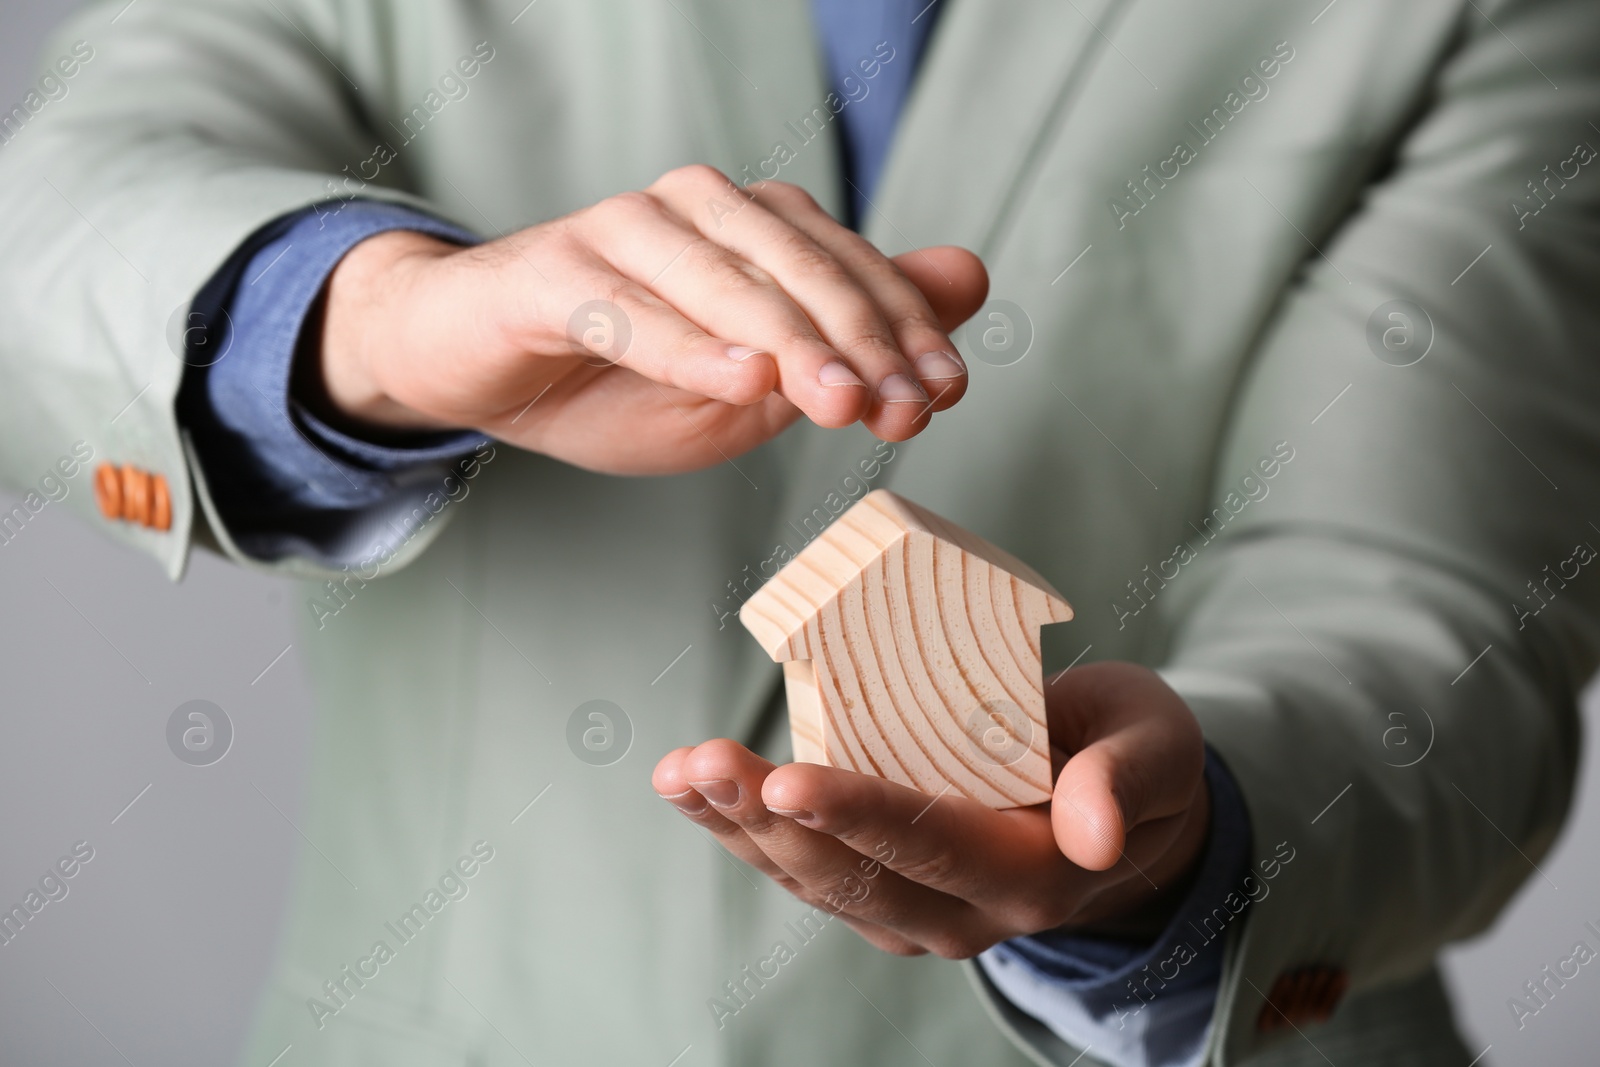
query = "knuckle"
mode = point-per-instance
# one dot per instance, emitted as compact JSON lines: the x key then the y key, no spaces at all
{"x":956,"y":946}
{"x":563,"y":238}
{"x":896,"y":946}
{"x":702,"y":173}
{"x":785,"y":193}
{"x":621,"y":211}
{"x":805,"y":256}
{"x":709,"y":258}
{"x":913,"y":320}
{"x":620,"y":293}
{"x":756,"y":820}
{"x":867,"y":341}
{"x":1132,"y":790}
{"x":691,"y":178}
{"x":634,"y":201}
{"x":617,"y":292}
{"x":946,"y":947}
{"x":935,"y":868}
{"x":798,"y":336}
{"x":849,"y":888}
{"x":729,"y":274}
{"x":1033,"y":916}
{"x":887,"y":910}
{"x":788,"y":884}
{"x":813,"y":899}
{"x":756,"y":274}
{"x":688,"y":343}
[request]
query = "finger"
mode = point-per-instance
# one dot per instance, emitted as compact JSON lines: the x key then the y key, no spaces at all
{"x":918,"y":332}
{"x":670,"y":784}
{"x":946,"y":287}
{"x":1137,"y":758}
{"x":860,"y":301}
{"x":726,"y":296}
{"x":952,"y":280}
{"x":1093,"y":829}
{"x":669,"y":781}
{"x":729,"y":777}
{"x":831,"y":871}
{"x":882,"y":938}
{"x":1001,"y":861}
{"x":611,"y":321}
{"x":901,"y":286}
{"x":608,"y":320}
{"x":1005,"y":863}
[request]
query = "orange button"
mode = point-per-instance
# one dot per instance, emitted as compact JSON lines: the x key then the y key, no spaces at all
{"x":133,"y":495}
{"x":136,"y":495}
{"x":160,"y":504}
{"x":108,"y":490}
{"x":1303,"y":996}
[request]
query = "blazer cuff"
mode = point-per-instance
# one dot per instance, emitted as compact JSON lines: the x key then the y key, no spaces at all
{"x":283,"y":482}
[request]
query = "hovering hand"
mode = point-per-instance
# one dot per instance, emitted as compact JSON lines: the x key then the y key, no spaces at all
{"x":655,"y":332}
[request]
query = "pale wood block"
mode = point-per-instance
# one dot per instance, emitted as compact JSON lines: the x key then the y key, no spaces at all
{"x":911,"y":650}
{"x":805,"y":712}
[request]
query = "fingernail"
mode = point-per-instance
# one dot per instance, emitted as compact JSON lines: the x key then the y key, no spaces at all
{"x":720,"y":791}
{"x":937,"y":366}
{"x":740,"y":353}
{"x":837,"y":373}
{"x":689,"y":802}
{"x":799,"y":815}
{"x":898,"y":389}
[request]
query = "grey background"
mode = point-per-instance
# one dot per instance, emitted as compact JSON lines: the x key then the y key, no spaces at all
{"x":157,"y":952}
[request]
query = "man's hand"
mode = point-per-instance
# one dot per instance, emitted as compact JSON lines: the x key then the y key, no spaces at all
{"x":655,"y":332}
{"x":1113,"y":851}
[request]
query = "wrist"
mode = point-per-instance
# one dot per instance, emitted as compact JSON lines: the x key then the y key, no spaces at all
{"x":362,"y":333}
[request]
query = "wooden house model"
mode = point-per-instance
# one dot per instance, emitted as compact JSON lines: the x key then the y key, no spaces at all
{"x":911,"y":651}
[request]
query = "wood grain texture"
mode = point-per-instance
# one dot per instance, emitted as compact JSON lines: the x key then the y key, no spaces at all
{"x":911,"y":651}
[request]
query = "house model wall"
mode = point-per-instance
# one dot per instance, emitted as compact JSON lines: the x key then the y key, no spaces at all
{"x":911,"y":651}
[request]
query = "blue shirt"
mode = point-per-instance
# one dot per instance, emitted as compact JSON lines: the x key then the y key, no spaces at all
{"x":287,"y":484}
{"x":284,"y":482}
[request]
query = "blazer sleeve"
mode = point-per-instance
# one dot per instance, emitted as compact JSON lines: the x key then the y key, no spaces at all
{"x":1387,"y":651}
{"x":184,"y":127}
{"x":1387,"y":648}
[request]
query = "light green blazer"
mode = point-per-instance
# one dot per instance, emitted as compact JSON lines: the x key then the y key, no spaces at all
{"x":1196,"y":212}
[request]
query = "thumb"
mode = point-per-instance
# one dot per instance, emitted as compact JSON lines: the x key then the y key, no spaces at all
{"x":1088,"y":811}
{"x":1137,"y":755}
{"x":952,"y":280}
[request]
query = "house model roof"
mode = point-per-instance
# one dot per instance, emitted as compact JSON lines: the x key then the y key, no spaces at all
{"x":778,"y":612}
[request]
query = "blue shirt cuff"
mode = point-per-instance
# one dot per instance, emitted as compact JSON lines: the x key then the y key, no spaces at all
{"x":283,"y":481}
{"x":1150,"y":1004}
